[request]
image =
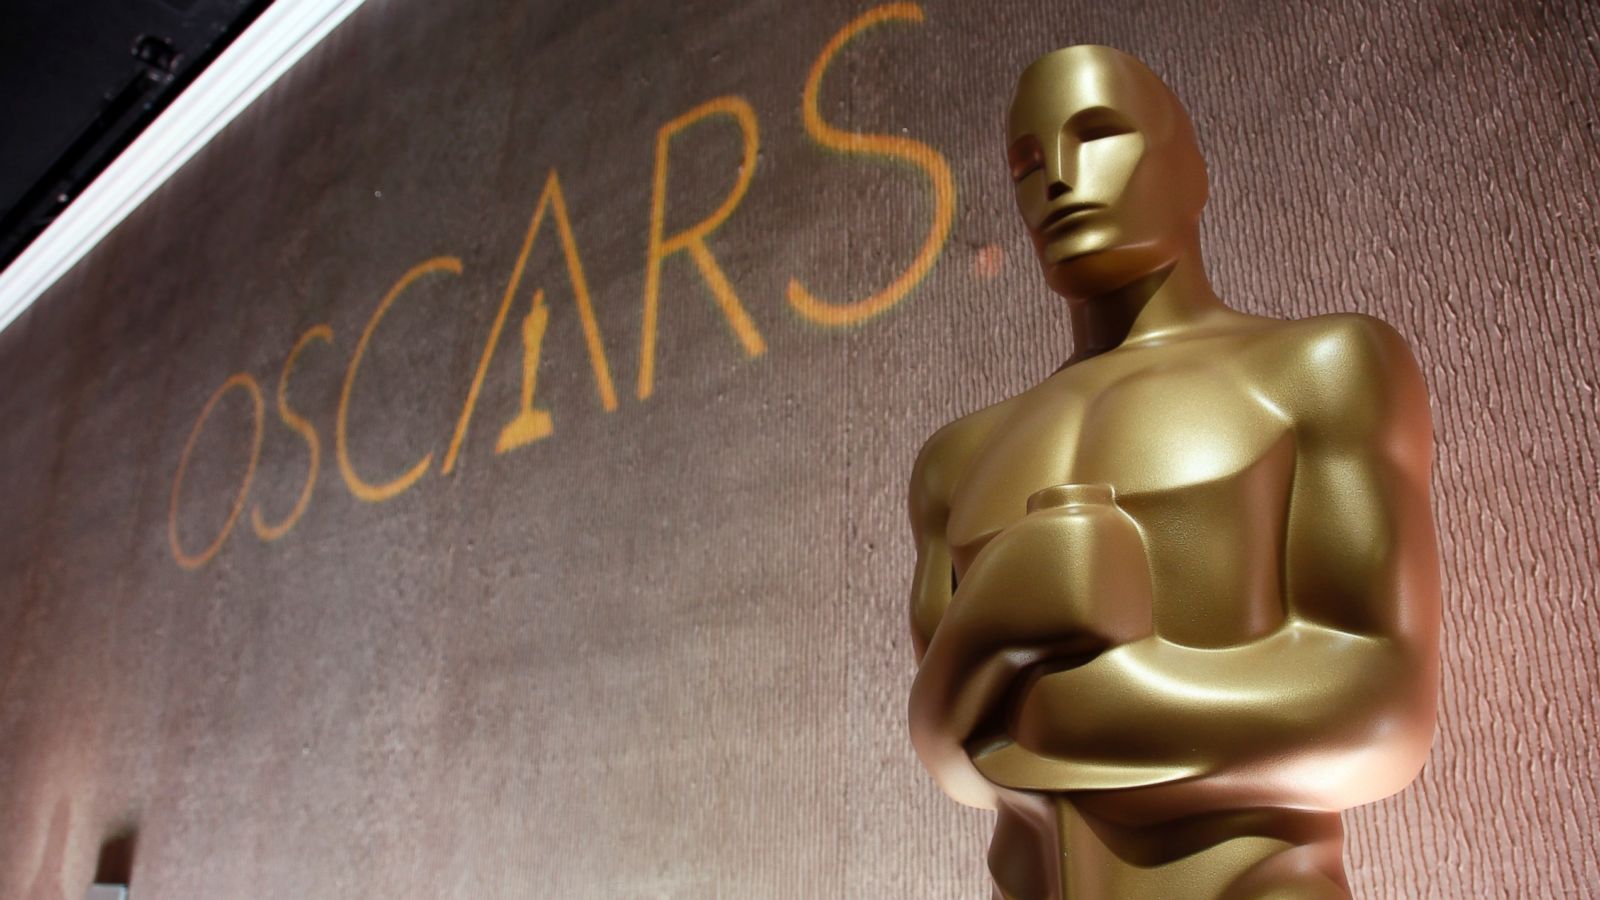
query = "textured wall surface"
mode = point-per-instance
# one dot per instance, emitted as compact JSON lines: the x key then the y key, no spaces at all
{"x":662,"y":651}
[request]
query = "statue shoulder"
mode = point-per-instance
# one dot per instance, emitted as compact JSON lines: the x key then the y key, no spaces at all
{"x":1350,"y":376}
{"x":945,"y":455}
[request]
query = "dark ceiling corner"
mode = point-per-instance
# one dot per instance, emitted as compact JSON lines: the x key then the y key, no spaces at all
{"x":80,"y":79}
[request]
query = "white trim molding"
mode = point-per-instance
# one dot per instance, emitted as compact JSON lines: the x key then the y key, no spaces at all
{"x":273,"y":43}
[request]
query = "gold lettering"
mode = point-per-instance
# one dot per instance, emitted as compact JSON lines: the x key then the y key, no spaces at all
{"x":550,"y":199}
{"x":888,"y":147}
{"x":693,"y":239}
{"x":376,"y":493}
{"x":300,"y":425}
{"x":187,"y":560}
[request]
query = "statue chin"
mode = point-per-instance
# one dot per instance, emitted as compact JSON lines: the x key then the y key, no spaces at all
{"x":1097,"y":271}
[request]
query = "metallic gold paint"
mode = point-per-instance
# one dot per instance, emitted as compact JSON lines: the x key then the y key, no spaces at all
{"x":1176,"y":606}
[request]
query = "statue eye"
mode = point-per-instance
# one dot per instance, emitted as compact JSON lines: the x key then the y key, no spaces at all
{"x":1020,"y":172}
{"x":1026,"y":159}
{"x":1098,"y":130}
{"x":1098,"y":122}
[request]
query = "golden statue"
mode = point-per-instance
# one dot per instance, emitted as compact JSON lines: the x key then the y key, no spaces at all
{"x":1176,"y":606}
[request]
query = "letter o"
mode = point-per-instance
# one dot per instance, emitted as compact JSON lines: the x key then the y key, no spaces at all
{"x":194,"y":561}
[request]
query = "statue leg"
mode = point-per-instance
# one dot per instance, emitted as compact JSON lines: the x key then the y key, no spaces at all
{"x":1253,"y":854}
{"x":1312,"y":871}
{"x":1023,"y":853}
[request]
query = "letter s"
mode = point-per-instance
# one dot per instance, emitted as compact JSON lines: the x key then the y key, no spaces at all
{"x":887,"y":147}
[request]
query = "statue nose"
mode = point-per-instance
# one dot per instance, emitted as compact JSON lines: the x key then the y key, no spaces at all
{"x":1058,"y":181}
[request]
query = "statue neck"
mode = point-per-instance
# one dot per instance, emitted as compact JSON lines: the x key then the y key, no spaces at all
{"x":1161,"y":305}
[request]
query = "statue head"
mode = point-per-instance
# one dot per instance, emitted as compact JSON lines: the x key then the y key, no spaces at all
{"x":1108,"y":175}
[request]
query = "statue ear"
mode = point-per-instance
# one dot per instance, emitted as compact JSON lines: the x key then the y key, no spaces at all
{"x":1196,"y":187}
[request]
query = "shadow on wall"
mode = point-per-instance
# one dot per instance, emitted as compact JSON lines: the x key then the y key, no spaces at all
{"x":114,"y":865}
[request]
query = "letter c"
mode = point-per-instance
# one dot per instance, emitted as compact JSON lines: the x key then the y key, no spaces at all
{"x":363,"y":490}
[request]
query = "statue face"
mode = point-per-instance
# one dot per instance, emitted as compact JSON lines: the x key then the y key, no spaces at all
{"x":1108,"y":177}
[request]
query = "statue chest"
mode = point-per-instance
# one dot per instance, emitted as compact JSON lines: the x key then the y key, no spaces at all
{"x":1197,"y":457}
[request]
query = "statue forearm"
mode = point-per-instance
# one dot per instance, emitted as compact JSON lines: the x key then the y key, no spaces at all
{"x":931,"y":592}
{"x":1017,"y":608}
{"x":1309,"y":716}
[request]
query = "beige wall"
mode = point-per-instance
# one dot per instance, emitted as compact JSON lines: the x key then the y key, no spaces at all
{"x":662,"y":652}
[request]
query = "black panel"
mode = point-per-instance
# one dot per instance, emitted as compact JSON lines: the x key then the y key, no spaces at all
{"x":79,"y":79}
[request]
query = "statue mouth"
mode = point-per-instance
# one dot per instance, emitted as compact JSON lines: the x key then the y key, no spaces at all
{"x":1064,"y":217}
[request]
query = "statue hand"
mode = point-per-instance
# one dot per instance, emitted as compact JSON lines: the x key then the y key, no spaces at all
{"x":1058,"y":586}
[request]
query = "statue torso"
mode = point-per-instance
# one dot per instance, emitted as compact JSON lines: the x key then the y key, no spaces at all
{"x":1200,"y":455}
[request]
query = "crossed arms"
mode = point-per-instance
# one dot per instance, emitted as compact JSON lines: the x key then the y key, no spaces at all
{"x":1333,"y":709}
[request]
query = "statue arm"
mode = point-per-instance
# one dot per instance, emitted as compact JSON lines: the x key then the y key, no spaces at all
{"x":932,"y":583}
{"x":1336,"y":707}
{"x":938,"y":468}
